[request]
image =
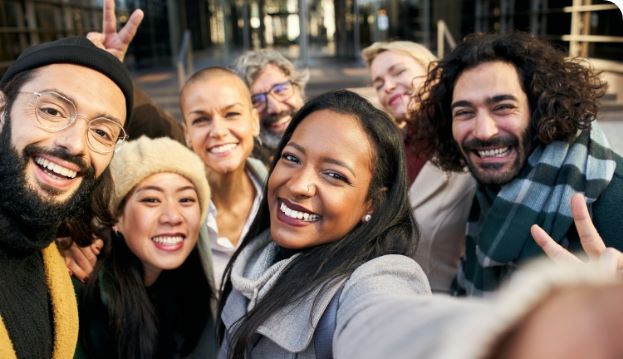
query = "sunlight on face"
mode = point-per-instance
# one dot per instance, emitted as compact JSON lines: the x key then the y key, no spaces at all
{"x":318,"y":190}
{"x":160,"y":222}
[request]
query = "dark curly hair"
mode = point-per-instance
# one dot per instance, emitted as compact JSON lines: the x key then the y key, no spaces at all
{"x":563,"y":94}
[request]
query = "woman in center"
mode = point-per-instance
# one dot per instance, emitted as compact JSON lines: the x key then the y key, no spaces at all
{"x":334,"y":226}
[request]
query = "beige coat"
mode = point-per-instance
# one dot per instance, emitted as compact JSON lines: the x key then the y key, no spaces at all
{"x":441,"y":202}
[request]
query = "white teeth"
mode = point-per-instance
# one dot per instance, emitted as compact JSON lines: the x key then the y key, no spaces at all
{"x":223,"y":148}
{"x":498,"y":152}
{"x":166,"y":240}
{"x":307,"y":217}
{"x":51,"y":166}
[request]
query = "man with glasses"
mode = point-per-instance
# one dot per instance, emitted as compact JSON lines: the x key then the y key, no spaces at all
{"x":63,"y":108}
{"x":277,"y":92}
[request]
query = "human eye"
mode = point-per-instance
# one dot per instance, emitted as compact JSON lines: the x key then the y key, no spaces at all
{"x":189,"y":200}
{"x":462,"y":113}
{"x":53,"y":109}
{"x":232,"y":114}
{"x":398,"y":71}
{"x":281,"y":88}
{"x":258,"y":100}
{"x":288,"y":157}
{"x":104,"y":130}
{"x":150,"y":200}
{"x":504,"y":107}
{"x":377,"y":85}
{"x":337,"y":177}
{"x":199,"y":121}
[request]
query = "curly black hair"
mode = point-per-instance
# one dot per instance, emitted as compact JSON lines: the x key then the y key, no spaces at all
{"x":563,"y":94}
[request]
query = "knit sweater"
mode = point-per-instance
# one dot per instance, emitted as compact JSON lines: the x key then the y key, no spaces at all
{"x":38,"y":312}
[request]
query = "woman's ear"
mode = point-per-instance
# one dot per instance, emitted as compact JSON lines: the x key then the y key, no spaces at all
{"x":255,"y":122}
{"x":369,"y":206}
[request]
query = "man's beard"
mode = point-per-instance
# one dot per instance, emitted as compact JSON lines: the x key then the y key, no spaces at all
{"x":269,"y":138}
{"x":523,"y":146}
{"x":22,"y":202}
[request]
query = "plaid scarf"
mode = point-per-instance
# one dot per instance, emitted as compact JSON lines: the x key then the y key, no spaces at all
{"x":498,"y":230}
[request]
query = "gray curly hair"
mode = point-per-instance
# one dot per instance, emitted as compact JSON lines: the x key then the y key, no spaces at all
{"x":250,"y":64}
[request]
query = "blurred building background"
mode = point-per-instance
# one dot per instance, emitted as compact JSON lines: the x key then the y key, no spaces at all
{"x":312,"y":28}
{"x":324,"y":36}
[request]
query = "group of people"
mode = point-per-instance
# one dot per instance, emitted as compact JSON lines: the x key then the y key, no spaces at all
{"x":270,"y":225}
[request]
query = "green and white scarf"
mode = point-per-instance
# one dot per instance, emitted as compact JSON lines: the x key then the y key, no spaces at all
{"x":498,"y":230}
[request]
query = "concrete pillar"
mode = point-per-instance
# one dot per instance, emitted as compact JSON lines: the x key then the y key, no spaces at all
{"x":303,"y":37}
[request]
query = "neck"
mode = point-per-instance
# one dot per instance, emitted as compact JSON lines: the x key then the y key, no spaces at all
{"x":19,"y":237}
{"x":228,"y":188}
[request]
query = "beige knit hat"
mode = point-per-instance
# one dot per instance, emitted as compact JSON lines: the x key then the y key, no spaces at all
{"x":139,"y":159}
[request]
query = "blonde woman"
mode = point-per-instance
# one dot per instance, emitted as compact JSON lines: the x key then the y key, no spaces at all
{"x":440,"y":201}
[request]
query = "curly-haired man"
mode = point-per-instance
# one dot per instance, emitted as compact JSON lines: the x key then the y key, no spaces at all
{"x":520,"y":116}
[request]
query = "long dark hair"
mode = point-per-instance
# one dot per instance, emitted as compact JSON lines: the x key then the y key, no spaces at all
{"x":166,"y":320}
{"x":563,"y":94}
{"x":392,"y":229}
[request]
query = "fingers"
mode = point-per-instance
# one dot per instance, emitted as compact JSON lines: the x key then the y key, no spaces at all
{"x":81,"y":260}
{"x":613,"y":259}
{"x":109,"y":19}
{"x":97,"y":38}
{"x":553,"y":250}
{"x":75,"y":270}
{"x":129,"y":30}
{"x":590,"y":239}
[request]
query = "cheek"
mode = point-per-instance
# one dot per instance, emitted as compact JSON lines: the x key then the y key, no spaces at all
{"x":459,"y":130}
{"x":196,"y":137}
{"x":193,"y":217}
{"x":134,"y":222}
{"x":273,"y":180}
{"x":100,"y":162}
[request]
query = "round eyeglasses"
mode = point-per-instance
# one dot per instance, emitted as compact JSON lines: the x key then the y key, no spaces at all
{"x":54,"y":112}
{"x":280,"y":91}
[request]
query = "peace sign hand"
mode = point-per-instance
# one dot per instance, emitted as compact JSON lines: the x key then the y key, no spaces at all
{"x":109,"y":39}
{"x":590,"y":239}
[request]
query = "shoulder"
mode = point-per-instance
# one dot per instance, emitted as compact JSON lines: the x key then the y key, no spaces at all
{"x":606,"y":210}
{"x":388,"y":266}
{"x":258,"y":169}
{"x":384,"y":277}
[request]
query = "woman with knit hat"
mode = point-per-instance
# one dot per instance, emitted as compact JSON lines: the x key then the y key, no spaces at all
{"x":150,"y":294}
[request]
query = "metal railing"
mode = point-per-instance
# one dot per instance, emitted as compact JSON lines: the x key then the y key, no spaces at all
{"x":443,"y":36}
{"x":579,"y":38}
{"x":184,"y":59}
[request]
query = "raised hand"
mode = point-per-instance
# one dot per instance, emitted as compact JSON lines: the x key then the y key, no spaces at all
{"x":80,"y":261}
{"x":109,"y":39}
{"x":590,"y":239}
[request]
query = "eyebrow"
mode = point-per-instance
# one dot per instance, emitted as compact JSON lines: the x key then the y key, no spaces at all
{"x":326,"y":159}
{"x":488,"y":101}
{"x":270,"y":88}
{"x":159,"y":189}
{"x":228,"y":107}
{"x":100,"y":114}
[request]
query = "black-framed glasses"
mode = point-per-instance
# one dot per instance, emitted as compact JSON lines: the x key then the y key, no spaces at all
{"x":54,"y":112}
{"x":279,"y":91}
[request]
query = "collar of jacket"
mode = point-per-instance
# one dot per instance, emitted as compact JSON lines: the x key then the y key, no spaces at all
{"x":64,"y":308}
{"x":253,"y":275}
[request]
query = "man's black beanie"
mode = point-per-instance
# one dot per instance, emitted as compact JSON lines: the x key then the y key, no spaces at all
{"x":79,"y":51}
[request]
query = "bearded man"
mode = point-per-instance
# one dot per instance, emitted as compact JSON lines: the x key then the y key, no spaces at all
{"x":63,"y":107}
{"x":277,"y":92}
{"x":520,"y":116}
